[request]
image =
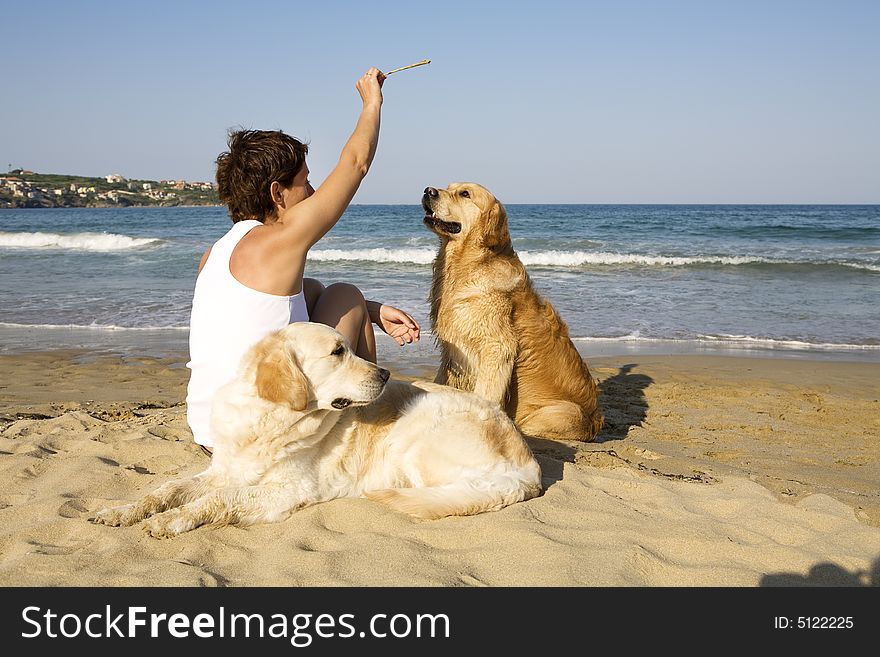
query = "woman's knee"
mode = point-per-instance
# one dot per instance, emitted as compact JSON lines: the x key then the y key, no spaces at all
{"x":338,"y":301}
{"x":345,"y":293}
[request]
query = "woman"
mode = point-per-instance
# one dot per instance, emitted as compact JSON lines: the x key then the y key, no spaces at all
{"x":251,"y":282}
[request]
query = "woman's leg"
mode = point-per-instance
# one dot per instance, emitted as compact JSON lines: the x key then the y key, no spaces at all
{"x":312,"y":290}
{"x":343,"y":307}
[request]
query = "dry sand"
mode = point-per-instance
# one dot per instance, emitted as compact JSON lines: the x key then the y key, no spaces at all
{"x":715,"y":471}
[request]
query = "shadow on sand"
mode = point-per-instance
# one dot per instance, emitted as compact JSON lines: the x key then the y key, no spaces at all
{"x":826,"y":574}
{"x":622,"y":398}
{"x":552,"y":455}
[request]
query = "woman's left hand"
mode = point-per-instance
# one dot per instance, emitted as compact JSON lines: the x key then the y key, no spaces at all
{"x":398,"y":324}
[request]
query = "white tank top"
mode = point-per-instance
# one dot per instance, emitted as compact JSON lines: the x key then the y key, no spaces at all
{"x":227,"y":319}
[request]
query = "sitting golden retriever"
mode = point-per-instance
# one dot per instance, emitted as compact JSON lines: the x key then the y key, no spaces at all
{"x":497,"y":337}
{"x":308,"y":421}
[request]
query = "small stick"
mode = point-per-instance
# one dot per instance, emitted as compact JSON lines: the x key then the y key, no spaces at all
{"x":403,"y":68}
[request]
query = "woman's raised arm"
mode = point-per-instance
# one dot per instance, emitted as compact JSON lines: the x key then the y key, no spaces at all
{"x":309,"y":220}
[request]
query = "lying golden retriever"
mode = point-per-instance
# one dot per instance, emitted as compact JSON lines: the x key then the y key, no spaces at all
{"x":497,"y":337}
{"x":308,"y":421}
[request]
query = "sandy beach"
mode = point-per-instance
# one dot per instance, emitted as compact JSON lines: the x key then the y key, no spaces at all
{"x":711,"y":471}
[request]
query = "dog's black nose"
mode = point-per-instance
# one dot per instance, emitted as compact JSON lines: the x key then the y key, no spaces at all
{"x":384,"y":375}
{"x":430,"y":191}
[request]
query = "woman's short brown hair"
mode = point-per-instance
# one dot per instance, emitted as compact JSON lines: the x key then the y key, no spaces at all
{"x":255,"y":159}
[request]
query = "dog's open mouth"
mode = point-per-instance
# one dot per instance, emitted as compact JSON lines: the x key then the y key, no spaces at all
{"x":444,"y":226}
{"x":341,"y":402}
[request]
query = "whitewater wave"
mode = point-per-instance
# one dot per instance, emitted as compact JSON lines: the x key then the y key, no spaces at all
{"x":723,"y":339}
{"x":744,"y":341}
{"x":93,"y":327}
{"x":414,"y":256}
{"x":74,"y":241}
{"x":581,"y":258}
{"x":747,"y":340}
{"x":110,"y":328}
{"x":424,"y":256}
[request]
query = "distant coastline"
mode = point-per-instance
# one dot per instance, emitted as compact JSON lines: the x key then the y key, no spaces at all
{"x":21,"y":188}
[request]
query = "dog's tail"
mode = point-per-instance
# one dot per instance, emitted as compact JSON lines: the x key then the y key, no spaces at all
{"x":468,"y":496}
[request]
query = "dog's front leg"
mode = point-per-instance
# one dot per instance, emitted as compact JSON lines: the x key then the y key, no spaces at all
{"x":227,"y":506}
{"x":492,"y":380}
{"x":442,"y":376}
{"x":453,"y":365}
{"x":167,"y":496}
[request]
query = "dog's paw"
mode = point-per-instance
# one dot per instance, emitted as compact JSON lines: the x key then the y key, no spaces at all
{"x":168,"y":524}
{"x":117,"y":516}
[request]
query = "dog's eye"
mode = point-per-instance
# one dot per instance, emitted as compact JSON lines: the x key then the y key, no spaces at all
{"x":338,"y":351}
{"x":465,"y":193}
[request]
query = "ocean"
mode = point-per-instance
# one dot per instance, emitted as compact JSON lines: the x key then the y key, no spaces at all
{"x":759,"y":280}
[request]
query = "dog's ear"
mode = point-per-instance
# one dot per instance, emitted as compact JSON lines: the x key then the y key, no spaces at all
{"x":495,"y":231}
{"x":280,"y":379}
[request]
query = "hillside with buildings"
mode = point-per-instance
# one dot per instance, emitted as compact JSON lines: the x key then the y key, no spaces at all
{"x":26,"y":189}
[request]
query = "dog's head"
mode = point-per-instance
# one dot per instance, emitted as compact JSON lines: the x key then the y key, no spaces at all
{"x":307,"y":364}
{"x":465,"y":209}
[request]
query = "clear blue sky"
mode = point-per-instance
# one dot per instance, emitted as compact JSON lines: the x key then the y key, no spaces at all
{"x":542,"y":102}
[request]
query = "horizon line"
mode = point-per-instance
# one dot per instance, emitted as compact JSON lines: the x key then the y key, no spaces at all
{"x":506,"y":204}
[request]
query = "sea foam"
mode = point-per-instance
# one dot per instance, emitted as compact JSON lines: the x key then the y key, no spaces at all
{"x":741,"y":341}
{"x":414,"y":255}
{"x":92,"y":327}
{"x":571,"y":259}
{"x":74,"y":241}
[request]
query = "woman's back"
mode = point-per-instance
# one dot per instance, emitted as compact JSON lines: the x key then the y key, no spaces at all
{"x":227,"y":319}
